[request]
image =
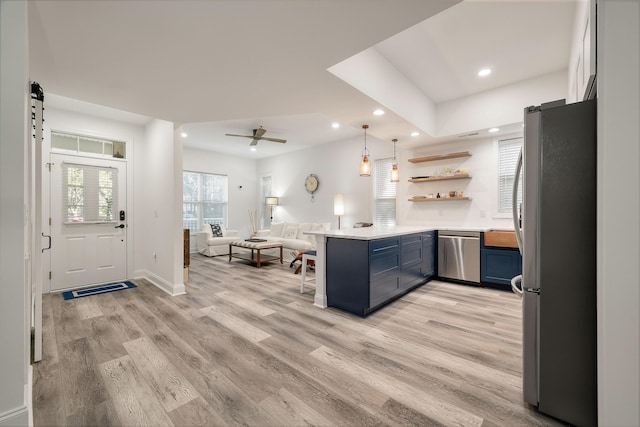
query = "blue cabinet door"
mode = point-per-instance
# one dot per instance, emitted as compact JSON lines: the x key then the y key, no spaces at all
{"x":500,"y":265}
{"x":429,"y":248}
{"x":411,"y":256}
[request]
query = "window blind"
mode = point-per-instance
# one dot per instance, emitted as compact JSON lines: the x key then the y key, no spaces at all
{"x":90,"y":193}
{"x":204,"y":199}
{"x":508,"y":151}
{"x":385,"y":194}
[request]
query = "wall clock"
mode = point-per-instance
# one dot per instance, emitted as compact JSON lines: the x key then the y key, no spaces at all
{"x":311,"y":185}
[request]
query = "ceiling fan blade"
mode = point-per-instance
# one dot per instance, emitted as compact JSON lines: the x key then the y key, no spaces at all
{"x":254,"y":142}
{"x":274,"y":139}
{"x":259,"y":132}
{"x":242,"y":136}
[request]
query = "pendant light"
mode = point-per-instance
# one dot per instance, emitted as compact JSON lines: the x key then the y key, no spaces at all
{"x":365,"y":166}
{"x":395,"y":175}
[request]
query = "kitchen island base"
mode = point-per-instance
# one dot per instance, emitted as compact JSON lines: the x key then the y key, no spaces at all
{"x":364,"y":275}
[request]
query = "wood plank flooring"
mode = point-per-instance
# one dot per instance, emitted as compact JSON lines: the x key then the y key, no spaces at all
{"x":244,"y":347}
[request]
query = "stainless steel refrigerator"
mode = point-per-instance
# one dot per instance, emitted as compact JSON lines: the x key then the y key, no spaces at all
{"x":558,"y":245}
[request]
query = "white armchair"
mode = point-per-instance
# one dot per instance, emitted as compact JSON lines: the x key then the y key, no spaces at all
{"x":211,"y":246}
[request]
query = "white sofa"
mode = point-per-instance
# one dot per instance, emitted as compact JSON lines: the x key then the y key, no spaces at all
{"x":292,"y":236}
{"x":212,"y":246}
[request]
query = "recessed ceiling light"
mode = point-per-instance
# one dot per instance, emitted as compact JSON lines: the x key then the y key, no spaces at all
{"x":335,"y":125}
{"x":415,"y":133}
{"x":378,"y":112}
{"x":184,"y":134}
{"x":492,"y":130}
{"x":484,"y":72}
{"x":253,"y":148}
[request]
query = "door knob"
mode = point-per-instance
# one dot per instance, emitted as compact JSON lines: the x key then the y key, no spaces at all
{"x":119,"y":226}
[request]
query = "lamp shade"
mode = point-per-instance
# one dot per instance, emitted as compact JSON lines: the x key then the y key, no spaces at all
{"x":338,"y":204}
{"x":365,"y":166}
{"x":395,"y":175}
{"x":271,"y":201}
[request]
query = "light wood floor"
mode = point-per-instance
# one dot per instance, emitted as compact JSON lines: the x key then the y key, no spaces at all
{"x":244,"y":347}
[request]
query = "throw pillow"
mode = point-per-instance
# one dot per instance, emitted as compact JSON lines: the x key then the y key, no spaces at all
{"x":290,"y":232}
{"x":276,"y":229}
{"x":305,"y":226}
{"x":216,"y":230}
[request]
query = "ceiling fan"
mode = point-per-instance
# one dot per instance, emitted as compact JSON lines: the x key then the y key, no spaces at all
{"x":257,"y":136}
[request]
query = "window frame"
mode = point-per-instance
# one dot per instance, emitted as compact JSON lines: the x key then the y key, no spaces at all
{"x":502,"y":210}
{"x":200,"y":203}
{"x":89,"y":191}
{"x":381,"y":175}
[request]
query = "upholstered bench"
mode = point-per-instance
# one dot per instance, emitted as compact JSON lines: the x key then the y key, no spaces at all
{"x":255,"y":257}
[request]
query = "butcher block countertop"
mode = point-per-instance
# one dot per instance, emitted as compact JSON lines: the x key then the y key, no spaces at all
{"x":500,"y":238}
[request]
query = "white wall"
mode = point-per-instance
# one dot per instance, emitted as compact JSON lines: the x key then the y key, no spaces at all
{"x":372,"y":74}
{"x":69,"y":121}
{"x":618,"y":213}
{"x":500,"y":106}
{"x":14,"y":138}
{"x":158,"y":207}
{"x":337,"y":167}
{"x":481,"y":211}
{"x":241,"y":172}
{"x":581,"y":15}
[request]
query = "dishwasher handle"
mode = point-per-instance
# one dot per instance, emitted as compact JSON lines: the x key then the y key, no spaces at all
{"x":458,"y":237}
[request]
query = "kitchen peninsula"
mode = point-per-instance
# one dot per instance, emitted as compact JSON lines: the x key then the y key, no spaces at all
{"x":361,"y":269}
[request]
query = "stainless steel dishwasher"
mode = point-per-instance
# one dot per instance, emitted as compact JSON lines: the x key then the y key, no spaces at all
{"x":459,"y":255}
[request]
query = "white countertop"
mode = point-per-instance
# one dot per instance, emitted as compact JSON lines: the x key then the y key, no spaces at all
{"x":370,"y":233}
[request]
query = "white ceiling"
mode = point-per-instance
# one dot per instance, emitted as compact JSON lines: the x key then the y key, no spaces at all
{"x":230,"y":66}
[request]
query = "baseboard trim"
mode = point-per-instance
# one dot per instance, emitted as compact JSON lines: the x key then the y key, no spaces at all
{"x":16,"y":417}
{"x":168,"y":287}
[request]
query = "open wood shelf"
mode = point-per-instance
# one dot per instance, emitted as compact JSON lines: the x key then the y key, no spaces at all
{"x":440,"y":157}
{"x":441,"y":178}
{"x":442,"y":199}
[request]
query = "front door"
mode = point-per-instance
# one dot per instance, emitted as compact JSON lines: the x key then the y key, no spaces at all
{"x":88,"y":221}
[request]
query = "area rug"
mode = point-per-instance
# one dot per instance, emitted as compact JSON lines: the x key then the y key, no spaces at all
{"x":119,"y":286}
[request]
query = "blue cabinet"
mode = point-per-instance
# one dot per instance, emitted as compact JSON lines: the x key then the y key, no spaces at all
{"x":411,"y":256}
{"x":429,"y":254}
{"x":362,"y":275}
{"x":498,"y":265}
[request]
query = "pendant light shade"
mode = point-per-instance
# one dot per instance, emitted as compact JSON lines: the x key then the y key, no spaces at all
{"x":395,"y":174}
{"x":365,"y":166}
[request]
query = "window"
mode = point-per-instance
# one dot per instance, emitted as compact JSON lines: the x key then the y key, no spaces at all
{"x":204,"y":199}
{"x":266,"y":192}
{"x":65,"y":142}
{"x":90,"y":193}
{"x":508,"y":151}
{"x":385,"y":194}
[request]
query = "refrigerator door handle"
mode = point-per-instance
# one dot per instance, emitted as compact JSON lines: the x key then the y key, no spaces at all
{"x":514,"y":287}
{"x":514,"y":203}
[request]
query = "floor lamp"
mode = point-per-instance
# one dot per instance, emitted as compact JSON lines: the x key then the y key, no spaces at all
{"x":271,"y":202}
